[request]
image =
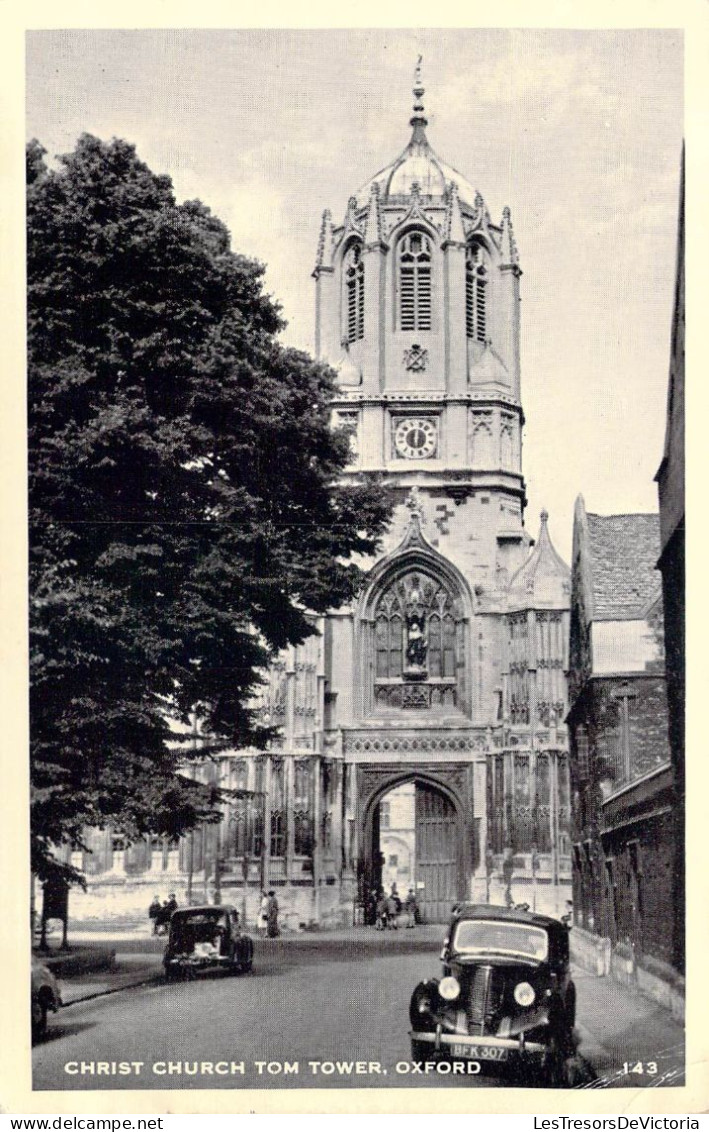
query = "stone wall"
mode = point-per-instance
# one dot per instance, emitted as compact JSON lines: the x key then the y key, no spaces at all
{"x":122,"y":903}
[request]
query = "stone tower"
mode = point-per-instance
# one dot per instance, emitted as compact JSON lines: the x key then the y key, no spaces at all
{"x":451,"y":670}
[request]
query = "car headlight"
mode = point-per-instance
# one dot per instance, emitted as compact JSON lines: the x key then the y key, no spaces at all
{"x":449,"y":988}
{"x":524,"y":994}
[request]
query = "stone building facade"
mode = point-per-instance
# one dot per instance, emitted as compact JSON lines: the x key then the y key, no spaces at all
{"x":449,"y":672}
{"x":670,"y":485}
{"x":621,"y":774}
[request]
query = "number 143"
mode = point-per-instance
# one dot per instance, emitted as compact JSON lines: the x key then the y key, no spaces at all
{"x":649,"y":1067}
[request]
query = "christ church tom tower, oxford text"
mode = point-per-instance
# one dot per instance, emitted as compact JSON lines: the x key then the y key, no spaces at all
{"x":444,"y":687}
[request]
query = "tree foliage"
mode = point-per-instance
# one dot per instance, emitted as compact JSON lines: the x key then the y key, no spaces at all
{"x":185,"y":510}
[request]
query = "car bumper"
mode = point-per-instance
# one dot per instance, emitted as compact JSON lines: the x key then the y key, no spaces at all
{"x":478,"y":1046}
{"x":196,"y":963}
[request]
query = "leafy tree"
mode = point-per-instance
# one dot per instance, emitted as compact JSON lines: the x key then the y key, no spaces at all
{"x":185,"y":511}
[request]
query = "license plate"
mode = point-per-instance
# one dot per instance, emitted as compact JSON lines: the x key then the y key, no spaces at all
{"x":481,"y":1053}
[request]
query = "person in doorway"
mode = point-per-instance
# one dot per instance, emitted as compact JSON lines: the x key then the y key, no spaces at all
{"x":392,"y":905}
{"x":272,"y":915}
{"x":263,"y":913}
{"x":370,"y":908}
{"x":396,"y":898}
{"x":410,"y":908}
{"x":381,"y":921}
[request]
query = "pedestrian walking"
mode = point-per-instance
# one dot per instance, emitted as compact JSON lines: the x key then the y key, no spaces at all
{"x":154,"y":912}
{"x":272,"y":915}
{"x":410,"y":908}
{"x":164,"y":915}
{"x":392,"y":910}
{"x":263,"y":913}
{"x":370,"y":908}
{"x":381,"y":921}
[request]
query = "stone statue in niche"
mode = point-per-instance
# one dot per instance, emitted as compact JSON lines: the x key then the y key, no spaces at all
{"x":416,"y":647}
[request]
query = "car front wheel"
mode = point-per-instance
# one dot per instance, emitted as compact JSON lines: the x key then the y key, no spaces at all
{"x":247,"y":957}
{"x":419,"y":1050}
{"x":558,"y":1074}
{"x":39,"y":1018}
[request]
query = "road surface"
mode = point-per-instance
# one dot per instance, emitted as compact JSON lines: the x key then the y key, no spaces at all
{"x":329,"y":1015}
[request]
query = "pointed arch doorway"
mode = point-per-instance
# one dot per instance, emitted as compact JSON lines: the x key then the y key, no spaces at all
{"x":414,"y":838}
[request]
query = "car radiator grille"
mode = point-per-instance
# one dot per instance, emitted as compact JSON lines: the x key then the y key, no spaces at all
{"x":480,"y":998}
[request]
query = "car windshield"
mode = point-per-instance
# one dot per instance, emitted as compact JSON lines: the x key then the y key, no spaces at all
{"x":198,"y":927}
{"x":503,"y":938}
{"x":201,"y":918}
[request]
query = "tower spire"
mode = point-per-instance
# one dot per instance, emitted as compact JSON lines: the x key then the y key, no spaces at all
{"x":418,"y":119}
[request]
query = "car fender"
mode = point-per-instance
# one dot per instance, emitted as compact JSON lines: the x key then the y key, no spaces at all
{"x":425,"y":991}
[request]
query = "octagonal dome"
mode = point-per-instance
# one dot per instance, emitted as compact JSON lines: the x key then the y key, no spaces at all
{"x":418,"y":164}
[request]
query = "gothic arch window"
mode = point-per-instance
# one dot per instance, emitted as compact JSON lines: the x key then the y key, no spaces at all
{"x":414,"y":256}
{"x":418,"y":633}
{"x":353,"y":276}
{"x":238,"y":819}
{"x":483,"y":447}
{"x":278,"y":808}
{"x":506,"y":448}
{"x":476,"y":280}
{"x":303,"y":808}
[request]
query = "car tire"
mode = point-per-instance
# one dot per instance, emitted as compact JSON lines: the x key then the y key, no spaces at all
{"x":557,"y":1073}
{"x":419,"y":1050}
{"x":247,"y":959}
{"x":571,"y":1008}
{"x":39,"y":1018}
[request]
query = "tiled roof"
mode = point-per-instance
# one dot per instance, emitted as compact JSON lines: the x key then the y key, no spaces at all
{"x":624,"y":553}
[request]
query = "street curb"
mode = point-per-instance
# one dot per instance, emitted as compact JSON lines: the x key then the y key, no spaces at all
{"x":144,"y":982}
{"x":82,"y":960}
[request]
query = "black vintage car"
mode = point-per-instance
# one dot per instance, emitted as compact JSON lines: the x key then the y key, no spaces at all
{"x":506,"y":999}
{"x":206,"y":937}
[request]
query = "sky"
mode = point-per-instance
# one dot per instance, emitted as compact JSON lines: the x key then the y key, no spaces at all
{"x":579,"y":132}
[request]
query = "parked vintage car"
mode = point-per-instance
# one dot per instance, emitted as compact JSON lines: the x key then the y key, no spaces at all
{"x":206,"y":937}
{"x":46,"y":996}
{"x":506,"y":999}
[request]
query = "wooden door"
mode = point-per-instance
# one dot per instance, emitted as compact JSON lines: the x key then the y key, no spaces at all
{"x":436,"y":857}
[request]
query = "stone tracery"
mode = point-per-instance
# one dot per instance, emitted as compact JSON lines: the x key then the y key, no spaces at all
{"x":417,"y":619}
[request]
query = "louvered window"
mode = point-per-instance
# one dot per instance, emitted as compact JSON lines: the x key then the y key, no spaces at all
{"x":354,"y":293}
{"x":475,"y":293}
{"x":415,"y":282}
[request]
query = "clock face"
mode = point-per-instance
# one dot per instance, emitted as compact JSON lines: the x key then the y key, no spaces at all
{"x":415,"y":438}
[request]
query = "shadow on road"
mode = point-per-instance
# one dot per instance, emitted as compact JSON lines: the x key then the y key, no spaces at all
{"x":62,"y":1029}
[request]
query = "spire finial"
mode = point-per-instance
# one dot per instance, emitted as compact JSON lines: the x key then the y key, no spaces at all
{"x":418,"y":117}
{"x":544,"y":515}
